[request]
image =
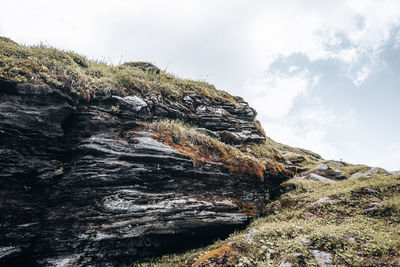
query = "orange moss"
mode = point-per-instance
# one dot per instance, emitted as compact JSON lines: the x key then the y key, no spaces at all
{"x":246,"y":208}
{"x":202,"y":148}
{"x":185,"y":148}
{"x":245,"y":166}
{"x":222,"y":254}
{"x":259,"y":127}
{"x":86,"y":95}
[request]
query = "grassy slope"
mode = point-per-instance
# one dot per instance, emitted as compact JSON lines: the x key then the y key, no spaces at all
{"x":358,"y":223}
{"x":70,"y":71}
{"x":355,"y":220}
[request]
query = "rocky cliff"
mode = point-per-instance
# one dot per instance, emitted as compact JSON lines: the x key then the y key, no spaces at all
{"x":87,"y":178}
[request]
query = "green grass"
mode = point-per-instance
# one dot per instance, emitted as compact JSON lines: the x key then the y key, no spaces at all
{"x":299,"y":222}
{"x":311,"y":159}
{"x":89,"y":78}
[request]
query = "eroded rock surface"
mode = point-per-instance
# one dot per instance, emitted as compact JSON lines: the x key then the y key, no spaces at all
{"x":83,"y":184}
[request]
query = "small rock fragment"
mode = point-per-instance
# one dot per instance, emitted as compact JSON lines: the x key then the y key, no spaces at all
{"x":324,"y":259}
{"x":285,"y":263}
{"x":318,"y":178}
{"x":306,"y":241}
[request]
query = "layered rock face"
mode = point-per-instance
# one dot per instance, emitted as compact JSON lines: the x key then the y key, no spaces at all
{"x":83,"y":183}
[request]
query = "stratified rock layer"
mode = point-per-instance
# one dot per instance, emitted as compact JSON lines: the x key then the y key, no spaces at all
{"x":82,"y":183}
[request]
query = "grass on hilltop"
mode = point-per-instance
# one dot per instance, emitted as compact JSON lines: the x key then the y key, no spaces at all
{"x":70,"y":71}
{"x":357,"y":221}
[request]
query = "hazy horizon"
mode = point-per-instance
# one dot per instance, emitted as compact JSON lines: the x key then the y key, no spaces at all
{"x":322,"y":75}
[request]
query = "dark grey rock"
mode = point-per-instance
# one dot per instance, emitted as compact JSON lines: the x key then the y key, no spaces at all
{"x":232,"y":123}
{"x":135,"y":102}
{"x":294,"y":158}
{"x":84,"y":184}
{"x":368,"y":190}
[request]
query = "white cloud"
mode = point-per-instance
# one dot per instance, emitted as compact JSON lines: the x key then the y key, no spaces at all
{"x":387,"y":158}
{"x":317,"y":115}
{"x":311,"y":127}
{"x":361,"y":75}
{"x":352,"y":32}
{"x":297,"y":135}
{"x":242,"y":37}
{"x":394,"y":158}
{"x":274,"y":96}
{"x":397,"y":39}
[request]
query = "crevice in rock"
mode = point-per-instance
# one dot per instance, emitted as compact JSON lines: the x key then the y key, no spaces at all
{"x":67,"y":122}
{"x":182,"y":242}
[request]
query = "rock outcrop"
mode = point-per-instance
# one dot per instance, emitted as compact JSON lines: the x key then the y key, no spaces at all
{"x":323,"y":173}
{"x":83,"y":183}
{"x":369,"y":173}
{"x":323,"y":170}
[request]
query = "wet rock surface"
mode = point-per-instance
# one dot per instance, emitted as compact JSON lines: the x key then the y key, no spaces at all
{"x":82,"y":183}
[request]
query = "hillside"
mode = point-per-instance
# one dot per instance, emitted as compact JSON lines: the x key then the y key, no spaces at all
{"x":112,"y":165}
{"x":352,"y":222}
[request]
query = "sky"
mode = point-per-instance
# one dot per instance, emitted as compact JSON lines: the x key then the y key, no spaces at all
{"x":322,"y":75}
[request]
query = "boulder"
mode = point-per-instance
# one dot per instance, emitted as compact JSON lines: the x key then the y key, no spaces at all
{"x":326,"y":171}
{"x":357,"y":175}
{"x":372,"y":171}
{"x":337,"y":164}
{"x":294,"y":158}
{"x":317,"y":177}
{"x":367,"y":174}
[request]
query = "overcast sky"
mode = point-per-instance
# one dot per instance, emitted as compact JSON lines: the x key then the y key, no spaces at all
{"x":323,"y":75}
